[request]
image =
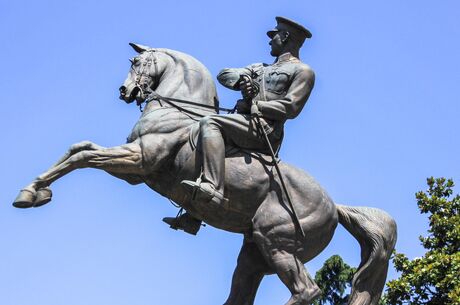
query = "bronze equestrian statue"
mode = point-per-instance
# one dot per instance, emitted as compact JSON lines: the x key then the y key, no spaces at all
{"x":238,"y":189}
{"x":282,"y":91}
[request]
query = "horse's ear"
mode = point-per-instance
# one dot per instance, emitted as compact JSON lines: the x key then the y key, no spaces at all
{"x":138,"y":47}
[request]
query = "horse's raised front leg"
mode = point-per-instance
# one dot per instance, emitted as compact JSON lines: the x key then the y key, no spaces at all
{"x":76,"y":148}
{"x":250,"y":270}
{"x":121,"y":160}
{"x":87,"y":145}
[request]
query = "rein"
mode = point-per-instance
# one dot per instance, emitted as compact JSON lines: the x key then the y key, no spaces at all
{"x":172,"y":101}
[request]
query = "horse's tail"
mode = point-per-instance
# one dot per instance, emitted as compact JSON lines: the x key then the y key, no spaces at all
{"x":375,"y":231}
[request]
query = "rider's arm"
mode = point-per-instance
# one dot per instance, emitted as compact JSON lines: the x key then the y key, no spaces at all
{"x":292,"y":103}
{"x":230,"y":77}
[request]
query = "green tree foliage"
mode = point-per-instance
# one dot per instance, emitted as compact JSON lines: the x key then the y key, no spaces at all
{"x":333,"y":279}
{"x":433,"y":279}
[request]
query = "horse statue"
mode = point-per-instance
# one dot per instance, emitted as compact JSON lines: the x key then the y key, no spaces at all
{"x":160,"y":152}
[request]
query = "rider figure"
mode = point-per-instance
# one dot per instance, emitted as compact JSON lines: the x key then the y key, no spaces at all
{"x":274,"y":93}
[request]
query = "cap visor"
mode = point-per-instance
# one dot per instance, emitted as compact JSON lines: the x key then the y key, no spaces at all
{"x":272,"y":33}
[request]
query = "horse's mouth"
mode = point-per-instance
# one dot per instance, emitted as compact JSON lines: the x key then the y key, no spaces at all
{"x":134,"y":95}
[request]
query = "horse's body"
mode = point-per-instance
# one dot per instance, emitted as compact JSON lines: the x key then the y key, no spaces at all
{"x":159,"y":154}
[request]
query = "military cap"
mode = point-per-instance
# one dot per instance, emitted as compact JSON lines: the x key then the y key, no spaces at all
{"x":297,"y":31}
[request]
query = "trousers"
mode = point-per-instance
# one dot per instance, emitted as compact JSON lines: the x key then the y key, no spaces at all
{"x":217,"y":131}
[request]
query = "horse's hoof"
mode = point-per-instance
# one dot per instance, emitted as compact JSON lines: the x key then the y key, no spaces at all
{"x":25,"y":199}
{"x":43,"y":197}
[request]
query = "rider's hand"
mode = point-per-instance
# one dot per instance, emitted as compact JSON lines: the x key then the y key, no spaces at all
{"x":247,"y":87}
{"x":255,"y":112}
{"x":242,"y":106}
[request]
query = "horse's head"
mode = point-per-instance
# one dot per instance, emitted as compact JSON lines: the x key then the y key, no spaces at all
{"x":170,"y":74}
{"x":143,"y":77}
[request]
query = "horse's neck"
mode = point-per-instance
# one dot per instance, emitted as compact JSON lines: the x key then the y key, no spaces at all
{"x":185,"y":78}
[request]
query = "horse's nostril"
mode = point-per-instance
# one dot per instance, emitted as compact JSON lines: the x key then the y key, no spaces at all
{"x":122,"y":89}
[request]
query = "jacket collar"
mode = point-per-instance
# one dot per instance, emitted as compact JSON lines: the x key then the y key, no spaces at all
{"x":286,"y":57}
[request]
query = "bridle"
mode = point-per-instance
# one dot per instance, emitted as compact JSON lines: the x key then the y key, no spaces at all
{"x":141,"y":82}
{"x":142,"y":77}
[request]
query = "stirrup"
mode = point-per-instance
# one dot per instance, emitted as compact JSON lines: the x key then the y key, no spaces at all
{"x":185,"y":222}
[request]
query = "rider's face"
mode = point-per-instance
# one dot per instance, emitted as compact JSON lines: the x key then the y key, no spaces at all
{"x":277,"y":44}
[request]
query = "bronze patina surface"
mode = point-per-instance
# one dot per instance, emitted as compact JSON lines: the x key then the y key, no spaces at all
{"x":216,"y":167}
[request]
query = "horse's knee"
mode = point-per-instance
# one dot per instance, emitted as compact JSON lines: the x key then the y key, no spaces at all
{"x":80,"y":158}
{"x":83,"y":145}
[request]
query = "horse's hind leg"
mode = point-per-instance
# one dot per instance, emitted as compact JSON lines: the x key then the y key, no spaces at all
{"x":124,"y":159}
{"x":275,"y":234}
{"x":291,"y":271}
{"x":250,"y":270}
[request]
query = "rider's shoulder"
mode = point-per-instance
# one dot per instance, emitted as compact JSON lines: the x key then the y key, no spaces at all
{"x":304,"y":69}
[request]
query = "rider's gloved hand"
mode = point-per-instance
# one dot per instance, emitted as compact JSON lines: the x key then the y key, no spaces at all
{"x":248,"y":90}
{"x":242,"y":106}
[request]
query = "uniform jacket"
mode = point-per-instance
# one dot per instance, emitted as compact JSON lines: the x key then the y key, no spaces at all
{"x":284,"y":87}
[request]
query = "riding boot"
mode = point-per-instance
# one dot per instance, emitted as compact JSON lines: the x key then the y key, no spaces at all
{"x":213,"y":153}
{"x":209,"y":187}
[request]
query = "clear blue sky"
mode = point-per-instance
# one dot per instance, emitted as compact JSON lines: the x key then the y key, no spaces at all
{"x":382,"y":117}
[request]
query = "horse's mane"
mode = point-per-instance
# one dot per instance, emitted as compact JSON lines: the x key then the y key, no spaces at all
{"x":190,"y":63}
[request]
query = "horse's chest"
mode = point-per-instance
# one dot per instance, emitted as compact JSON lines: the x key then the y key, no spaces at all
{"x":157,"y":122}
